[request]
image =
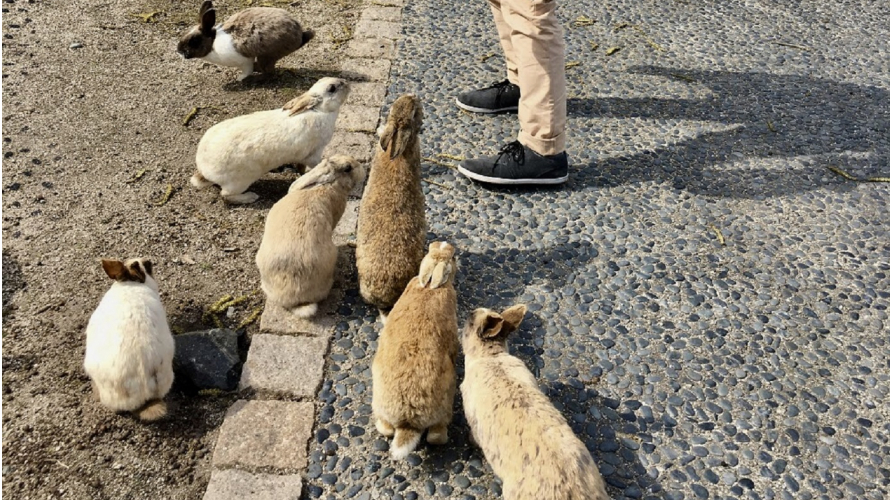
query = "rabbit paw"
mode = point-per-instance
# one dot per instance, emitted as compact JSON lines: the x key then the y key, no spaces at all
{"x":384,"y":428}
{"x":240,"y":199}
{"x":438,"y":434}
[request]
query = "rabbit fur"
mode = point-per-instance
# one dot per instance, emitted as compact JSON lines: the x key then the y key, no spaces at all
{"x":236,"y":152}
{"x":391,"y":234}
{"x":413,"y":371}
{"x":256,"y":36}
{"x":524,"y":437}
{"x":297,"y":256}
{"x":129,"y":347}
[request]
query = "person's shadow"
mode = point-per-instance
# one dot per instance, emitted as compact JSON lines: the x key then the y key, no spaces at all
{"x":767,"y":116}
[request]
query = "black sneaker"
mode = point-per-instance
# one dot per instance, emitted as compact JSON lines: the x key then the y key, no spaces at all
{"x":499,"y":98}
{"x":517,"y":164}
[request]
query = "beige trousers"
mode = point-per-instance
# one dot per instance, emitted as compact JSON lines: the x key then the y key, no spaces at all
{"x":535,"y":49}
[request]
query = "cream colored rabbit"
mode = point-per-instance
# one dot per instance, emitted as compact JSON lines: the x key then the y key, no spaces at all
{"x":524,"y":437}
{"x":297,"y":256}
{"x":413,"y":370}
{"x":129,"y":355}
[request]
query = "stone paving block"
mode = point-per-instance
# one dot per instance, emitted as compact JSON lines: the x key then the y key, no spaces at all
{"x":358,"y":118}
{"x":257,"y":434}
{"x":283,"y":364}
{"x":345,"y":230}
{"x":382,"y":13}
{"x":278,"y":320}
{"x":359,"y":145}
{"x":368,"y":93}
{"x":371,"y":47}
{"x":367,"y":28}
{"x":234,"y":484}
{"x":375,"y":70}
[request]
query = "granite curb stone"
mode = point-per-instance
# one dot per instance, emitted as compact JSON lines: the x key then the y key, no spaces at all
{"x":265,"y":435}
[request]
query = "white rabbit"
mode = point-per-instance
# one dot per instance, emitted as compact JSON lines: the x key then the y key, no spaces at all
{"x":129,"y":354}
{"x":236,"y":152}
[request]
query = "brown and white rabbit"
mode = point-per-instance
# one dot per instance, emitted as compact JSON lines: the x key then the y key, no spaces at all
{"x":391,"y":234}
{"x":297,"y":256}
{"x":258,"y":35}
{"x":129,"y":354}
{"x":524,"y":437}
{"x":413,"y":371}
{"x":238,"y":151}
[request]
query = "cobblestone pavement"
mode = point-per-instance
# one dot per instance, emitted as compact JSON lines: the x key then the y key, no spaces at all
{"x":691,"y":368}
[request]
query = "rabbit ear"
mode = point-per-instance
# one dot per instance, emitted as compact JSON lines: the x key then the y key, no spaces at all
{"x":386,"y":137}
{"x":135,"y":272}
{"x":205,"y":6}
{"x":114,"y":269}
{"x":427,"y":269}
{"x":441,"y":274}
{"x":320,"y":175}
{"x":491,"y":325}
{"x":513,"y":317}
{"x":208,"y":17}
{"x":401,"y":143}
{"x":302,"y":103}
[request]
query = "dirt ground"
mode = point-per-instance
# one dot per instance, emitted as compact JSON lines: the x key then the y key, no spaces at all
{"x":94,"y":99}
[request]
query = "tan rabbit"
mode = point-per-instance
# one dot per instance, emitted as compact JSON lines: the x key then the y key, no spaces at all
{"x":524,"y":437}
{"x":413,"y":370}
{"x":297,"y":255}
{"x":391,"y":235}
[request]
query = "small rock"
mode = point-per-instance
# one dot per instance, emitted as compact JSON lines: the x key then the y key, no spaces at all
{"x":208,"y":359}
{"x":76,"y":45}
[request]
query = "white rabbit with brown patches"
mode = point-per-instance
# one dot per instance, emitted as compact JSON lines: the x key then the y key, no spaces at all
{"x":524,"y":437}
{"x":297,"y":256}
{"x":129,"y":353}
{"x":256,"y":36}
{"x":238,"y":151}
{"x":413,"y":371}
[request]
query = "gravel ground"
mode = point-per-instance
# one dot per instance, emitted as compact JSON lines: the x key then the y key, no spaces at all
{"x":757,"y":369}
{"x":92,"y":96}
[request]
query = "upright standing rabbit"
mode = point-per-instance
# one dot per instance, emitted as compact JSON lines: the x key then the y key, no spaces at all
{"x":413,"y":370}
{"x":391,"y":232}
{"x":240,"y":150}
{"x":129,"y":355}
{"x":259,"y":35}
{"x":297,"y":255}
{"x":524,"y":437}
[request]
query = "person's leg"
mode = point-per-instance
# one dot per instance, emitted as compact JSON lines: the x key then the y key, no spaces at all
{"x":504,"y":34}
{"x":538,"y":41}
{"x":502,"y":96}
{"x":538,"y":157}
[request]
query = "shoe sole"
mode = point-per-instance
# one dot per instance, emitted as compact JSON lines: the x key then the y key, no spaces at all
{"x":511,"y":182}
{"x":484,"y":110}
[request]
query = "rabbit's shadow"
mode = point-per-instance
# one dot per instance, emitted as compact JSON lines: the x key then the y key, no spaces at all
{"x":298,"y":80}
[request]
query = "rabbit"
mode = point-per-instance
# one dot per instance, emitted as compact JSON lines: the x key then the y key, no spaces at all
{"x":238,"y":151}
{"x":297,"y":256}
{"x":258,"y":35}
{"x":413,"y":372}
{"x":391,"y":234}
{"x":524,"y":437}
{"x":129,"y":352}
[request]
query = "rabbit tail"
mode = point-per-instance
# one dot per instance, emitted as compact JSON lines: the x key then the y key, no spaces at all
{"x":404,"y":442}
{"x":153,"y":410}
{"x":199,"y":181}
{"x":306,"y":310}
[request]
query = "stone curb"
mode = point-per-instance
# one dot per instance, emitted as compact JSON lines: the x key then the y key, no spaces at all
{"x":262,"y":446}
